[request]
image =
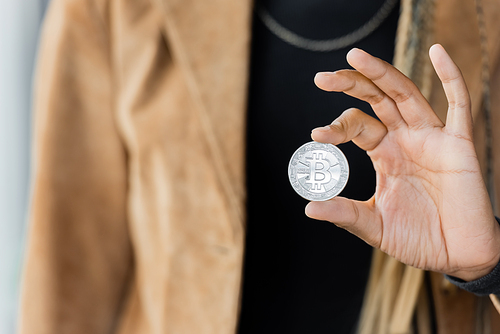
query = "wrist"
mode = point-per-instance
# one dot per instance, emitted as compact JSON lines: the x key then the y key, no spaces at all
{"x":483,"y":286}
{"x":487,"y":262}
{"x":473,"y":275}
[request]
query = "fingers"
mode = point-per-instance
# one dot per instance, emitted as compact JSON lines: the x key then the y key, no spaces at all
{"x":459,"y":118}
{"x":365,"y":131}
{"x":357,"y":85}
{"x":412,"y":105}
{"x":359,"y":218}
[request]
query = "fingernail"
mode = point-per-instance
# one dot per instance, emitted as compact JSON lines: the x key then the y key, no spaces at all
{"x":353,"y":51}
{"x":324,"y":74}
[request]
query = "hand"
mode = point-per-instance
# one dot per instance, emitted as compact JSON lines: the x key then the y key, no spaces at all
{"x":430,"y":209}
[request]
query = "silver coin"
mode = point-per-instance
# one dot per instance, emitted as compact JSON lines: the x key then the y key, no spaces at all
{"x":317,"y":171}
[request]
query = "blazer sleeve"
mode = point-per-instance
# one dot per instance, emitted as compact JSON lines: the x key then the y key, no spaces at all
{"x":78,"y":260}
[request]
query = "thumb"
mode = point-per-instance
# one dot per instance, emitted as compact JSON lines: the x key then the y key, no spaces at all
{"x":359,"y":218}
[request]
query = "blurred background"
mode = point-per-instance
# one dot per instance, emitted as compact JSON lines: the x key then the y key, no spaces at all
{"x":20,"y":22}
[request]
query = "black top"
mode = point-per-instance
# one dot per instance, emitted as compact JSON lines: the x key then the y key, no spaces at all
{"x":301,"y":275}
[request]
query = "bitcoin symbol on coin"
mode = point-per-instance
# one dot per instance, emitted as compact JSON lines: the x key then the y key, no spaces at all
{"x":318,"y":171}
{"x":319,"y":175}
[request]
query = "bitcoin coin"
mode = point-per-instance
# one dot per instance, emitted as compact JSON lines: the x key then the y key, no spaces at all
{"x":317,"y":171}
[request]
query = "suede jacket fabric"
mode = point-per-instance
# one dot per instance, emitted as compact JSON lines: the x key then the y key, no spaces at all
{"x":137,"y":219}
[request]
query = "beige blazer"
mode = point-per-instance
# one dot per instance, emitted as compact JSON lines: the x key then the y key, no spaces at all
{"x":137,"y":218}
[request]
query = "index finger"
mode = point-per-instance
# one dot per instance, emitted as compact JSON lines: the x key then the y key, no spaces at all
{"x":412,"y":105}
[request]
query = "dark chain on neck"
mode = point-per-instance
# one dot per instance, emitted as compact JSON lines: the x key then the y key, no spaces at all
{"x":341,"y":42}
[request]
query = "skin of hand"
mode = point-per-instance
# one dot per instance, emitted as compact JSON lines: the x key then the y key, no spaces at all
{"x":430,"y":209}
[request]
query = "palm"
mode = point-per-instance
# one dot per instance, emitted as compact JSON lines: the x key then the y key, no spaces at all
{"x":419,"y":180}
{"x":430,"y":208}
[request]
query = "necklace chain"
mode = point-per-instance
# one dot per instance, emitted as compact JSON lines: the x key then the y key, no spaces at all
{"x":329,"y":44}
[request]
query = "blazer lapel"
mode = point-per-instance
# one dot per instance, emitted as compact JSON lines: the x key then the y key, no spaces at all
{"x":210,"y":40}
